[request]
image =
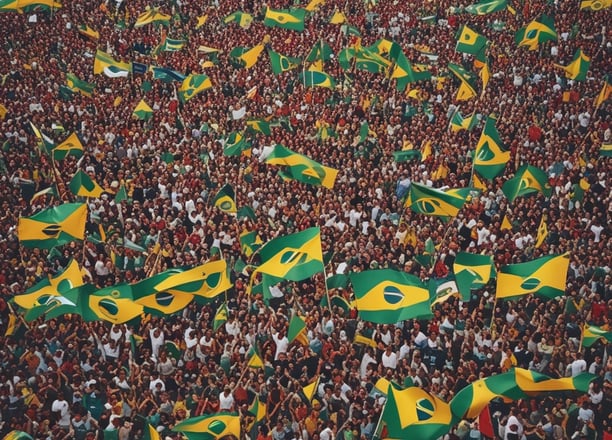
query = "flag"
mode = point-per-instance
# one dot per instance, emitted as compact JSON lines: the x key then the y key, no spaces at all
{"x":83,"y":185}
{"x":160,"y":302}
{"x":246,"y":212}
{"x":85,"y":30}
{"x":236,"y":144}
{"x":170,"y":45}
{"x":314,"y":4}
{"x":414,"y":413}
{"x":297,"y":330}
{"x":73,"y":301}
{"x":121,"y":195}
{"x":71,"y":146}
{"x":166,"y":75}
{"x":485,"y":424}
{"x":202,"y":19}
{"x":76,"y":85}
{"x":315,"y":78}
{"x":115,"y":303}
{"x":255,"y":360}
{"x":292,"y":19}
{"x":293,"y":257}
{"x":406,"y":73}
{"x":470,"y":41}
{"x":142,"y":111}
{"x":486,"y":7}
{"x":45,"y":143}
{"x":388,"y":296}
{"x":363,"y":340}
{"x":280,"y":63}
{"x":105,"y":63}
{"x":18,"y":435}
{"x":320,"y":51}
{"x":442,"y":289}
{"x":605,"y":150}
{"x":206,"y":280}
{"x":53,"y":226}
{"x":225,"y":199}
{"x":192,"y":85}
{"x":51,"y":191}
{"x":211,"y":426}
{"x":467,"y":89}
{"x":250,"y":56}
{"x":542,"y":232}
{"x":511,"y":386}
{"x":578,"y":68}
{"x":472,"y":271}
{"x":543,"y":276}
{"x":258,"y":410}
{"x":604,"y":95}
{"x":28,"y":5}
{"x":152,"y":15}
{"x":220,"y":317}
{"x":150,"y":433}
{"x":250,"y":242}
{"x":527,"y":180}
{"x":405,"y":155}
{"x":243,"y":19}
{"x":338,"y":18}
{"x":458,"y":122}
{"x":490,"y":157}
{"x":592,"y":334}
{"x":366,"y":59}
{"x":506,"y":225}
{"x":259,"y":125}
{"x":595,"y":5}
{"x":302,"y":168}
{"x":309,"y":391}
{"x":536,"y":32}
{"x":430,"y":201}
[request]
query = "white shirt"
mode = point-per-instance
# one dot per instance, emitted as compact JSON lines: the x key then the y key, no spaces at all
{"x":389,"y":360}
{"x":226,"y":403}
{"x":578,"y":366}
{"x":62,"y":407}
{"x":281,"y":345}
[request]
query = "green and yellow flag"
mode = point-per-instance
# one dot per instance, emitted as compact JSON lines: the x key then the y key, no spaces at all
{"x":150,"y":433}
{"x":211,"y":426}
{"x":115,"y":304}
{"x":543,"y":276}
{"x":220,"y":317}
{"x":142,"y":111}
{"x":259,"y":125}
{"x":87,"y":31}
{"x":320,"y":51}
{"x":467,"y":88}
{"x":405,"y":72}
{"x":297,"y":330}
{"x":338,"y":18}
{"x":302,"y":168}
{"x":485,"y":7}
{"x":459,"y":122}
{"x":53,"y":226}
{"x":316,"y":78}
{"x":314,"y":4}
{"x":160,"y":302}
{"x":201,"y":21}
{"x":83,"y":185}
{"x":604,"y":95}
{"x":76,"y":85}
{"x":470,"y":41}
{"x":366,"y":59}
{"x":255,"y":360}
{"x":538,"y":31}
{"x":593,"y":333}
{"x":387,"y":296}
{"x":225,"y":199}
{"x":207,"y":280}
{"x":595,"y":5}
{"x":71,"y":146}
{"x":192,"y":85}
{"x":292,"y":19}
{"x":15,"y":434}
{"x":527,"y":180}
{"x":578,"y":68}
{"x":472,"y":271}
{"x":105,"y":63}
{"x":243,"y":19}
{"x":281,"y":63}
{"x":490,"y":157}
{"x":542,"y":232}
{"x":430,"y":201}
{"x":152,"y":15}
{"x":414,"y":413}
{"x":309,"y":391}
{"x":293,"y":257}
{"x":250,"y":242}
{"x":250,"y":57}
{"x":236,"y":144}
{"x":74,"y":301}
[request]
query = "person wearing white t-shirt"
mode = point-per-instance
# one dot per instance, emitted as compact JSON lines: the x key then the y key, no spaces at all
{"x":226,"y":399}
{"x":578,"y":366}
{"x":62,"y":409}
{"x":389,"y":358}
{"x":282,"y":343}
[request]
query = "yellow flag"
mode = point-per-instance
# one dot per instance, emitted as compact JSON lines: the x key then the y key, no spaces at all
{"x":542,"y":232}
{"x":506,"y":225}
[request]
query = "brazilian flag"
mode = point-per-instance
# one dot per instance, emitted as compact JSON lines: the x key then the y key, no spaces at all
{"x":142,"y":111}
{"x":225,"y":199}
{"x":206,"y":280}
{"x":292,"y":19}
{"x":211,"y":426}
{"x":387,"y":296}
{"x":15,"y":434}
{"x":236,"y":144}
{"x":472,"y":271}
{"x":527,"y":180}
{"x":543,"y":276}
{"x":315,"y":78}
{"x":115,"y":304}
{"x":53,"y":226}
{"x":192,"y":85}
{"x":302,"y":168}
{"x":243,"y":19}
{"x":259,"y":125}
{"x":160,"y":302}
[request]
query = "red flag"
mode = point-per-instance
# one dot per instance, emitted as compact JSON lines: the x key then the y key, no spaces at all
{"x":484,"y":423}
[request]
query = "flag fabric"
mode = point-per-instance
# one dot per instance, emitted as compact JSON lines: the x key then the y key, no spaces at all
{"x":292,"y":19}
{"x":604,"y":95}
{"x":578,"y":68}
{"x":485,"y":75}
{"x":371,"y":61}
{"x":281,"y":63}
{"x":166,"y":75}
{"x":486,"y":7}
{"x":297,"y":330}
{"x":387,"y":296}
{"x":538,"y":31}
{"x":442,"y":289}
{"x":505,"y":224}
{"x":11,"y":325}
{"x":458,"y":122}
{"x":71,"y":146}
{"x":314,"y":4}
{"x":543,"y":276}
{"x":527,"y":180}
{"x":157,"y":301}
{"x":18,"y":435}
{"x":259,"y":125}
{"x":470,"y":41}
{"x":74,"y":301}
{"x":309,"y":390}
{"x":83,"y":185}
{"x":315,"y":78}
{"x":258,"y":410}
{"x":51,"y":191}
{"x":255,"y":360}
{"x":250,"y":56}
{"x":152,"y":15}
{"x":513,"y":385}
{"x":364,"y":340}
{"x":193,"y":85}
{"x":430,"y":201}
{"x":595,"y":5}
{"x":302,"y":168}
{"x":150,"y":433}
{"x":405,"y":155}
{"x":115,"y":303}
{"x":105,"y":63}
{"x":29,"y":5}
{"x":121,"y":194}
{"x":472,"y":271}
{"x":206,"y":280}
{"x":338,"y":18}
{"x":467,"y":88}
{"x":45,"y":143}
{"x":320,"y":51}
{"x":87,"y":31}
{"x":236,"y":144}
{"x":243,"y":19}
{"x":142,"y":111}
{"x":211,"y":426}
{"x":490,"y":157}
{"x":170,"y":45}
{"x":220,"y":317}
{"x":250,"y":242}
{"x":225,"y":199}
{"x":76,"y":85}
{"x":246,"y":212}
{"x":605,"y":150}
{"x":293,"y":257}
{"x":414,"y":413}
{"x":53,"y":226}
{"x":542,"y":232}
{"x":201,"y":21}
{"x":593,"y":333}
{"x":407,"y":73}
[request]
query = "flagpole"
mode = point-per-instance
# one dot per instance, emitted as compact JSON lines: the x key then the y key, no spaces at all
{"x":581,"y":337}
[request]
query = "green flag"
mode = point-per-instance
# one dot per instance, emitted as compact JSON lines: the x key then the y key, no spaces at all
{"x":593,"y":333}
{"x":579,"y":67}
{"x":486,"y":7}
{"x":246,"y":212}
{"x":292,"y":19}
{"x":53,"y":226}
{"x":430,"y":201}
{"x":142,"y":111}
{"x":490,"y":157}
{"x":320,"y":51}
{"x":212,"y":426}
{"x":470,"y":41}
{"x":297,"y":330}
{"x":250,"y":242}
{"x":281,"y":63}
{"x":243,"y":19}
{"x":538,"y":31}
{"x":406,"y":155}
{"x":543,"y":276}
{"x":225,"y":199}
{"x":77,"y":85}
{"x":467,"y":88}
{"x":193,"y":85}
{"x":83,"y":185}
{"x":527,"y":180}
{"x":459,"y":122}
{"x":259,"y":125}
{"x":315,"y":78}
{"x":472,"y":271}
{"x":236,"y":144}
{"x":220,"y":317}
{"x":121,"y":194}
{"x":302,"y":168}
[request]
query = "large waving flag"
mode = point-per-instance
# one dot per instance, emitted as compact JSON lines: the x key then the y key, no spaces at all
{"x":490,"y":157}
{"x":470,"y":41}
{"x":472,"y":271}
{"x":236,"y":144}
{"x":527,"y":180}
{"x":105,"y":63}
{"x":297,"y":330}
{"x":543,"y":276}
{"x":53,"y":226}
{"x":414,"y":413}
{"x":281,"y":63}
{"x":593,"y":333}
{"x":285,"y":18}
{"x":83,"y":185}
{"x":604,"y":94}
{"x":430,"y":201}
{"x":578,"y":68}
{"x":316,"y":78}
{"x":207,"y":280}
{"x":225,"y":199}
{"x":293,"y":257}
{"x":467,"y":88}
{"x":28,"y":5}
{"x":71,"y":146}
{"x":407,"y":73}
{"x":302,"y":168}
{"x":89,"y":32}
{"x":366,"y":59}
{"x":595,"y":5}
{"x":486,"y":7}
{"x":152,"y":15}
{"x":538,"y":31}
{"x":513,"y":385}
{"x":115,"y":303}
{"x":250,"y":242}
{"x":74,"y":301}
{"x":192,"y":85}
{"x":243,"y":19}
{"x":250,"y":57}
{"x":387,"y":296}
{"x":77,"y":85}
{"x":211,"y":426}
{"x":160,"y":302}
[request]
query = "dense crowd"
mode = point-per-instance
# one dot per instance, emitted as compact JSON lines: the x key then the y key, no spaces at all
{"x":64,"y":378}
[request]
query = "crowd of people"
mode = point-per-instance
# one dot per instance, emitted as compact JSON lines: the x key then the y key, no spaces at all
{"x":64,"y":378}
